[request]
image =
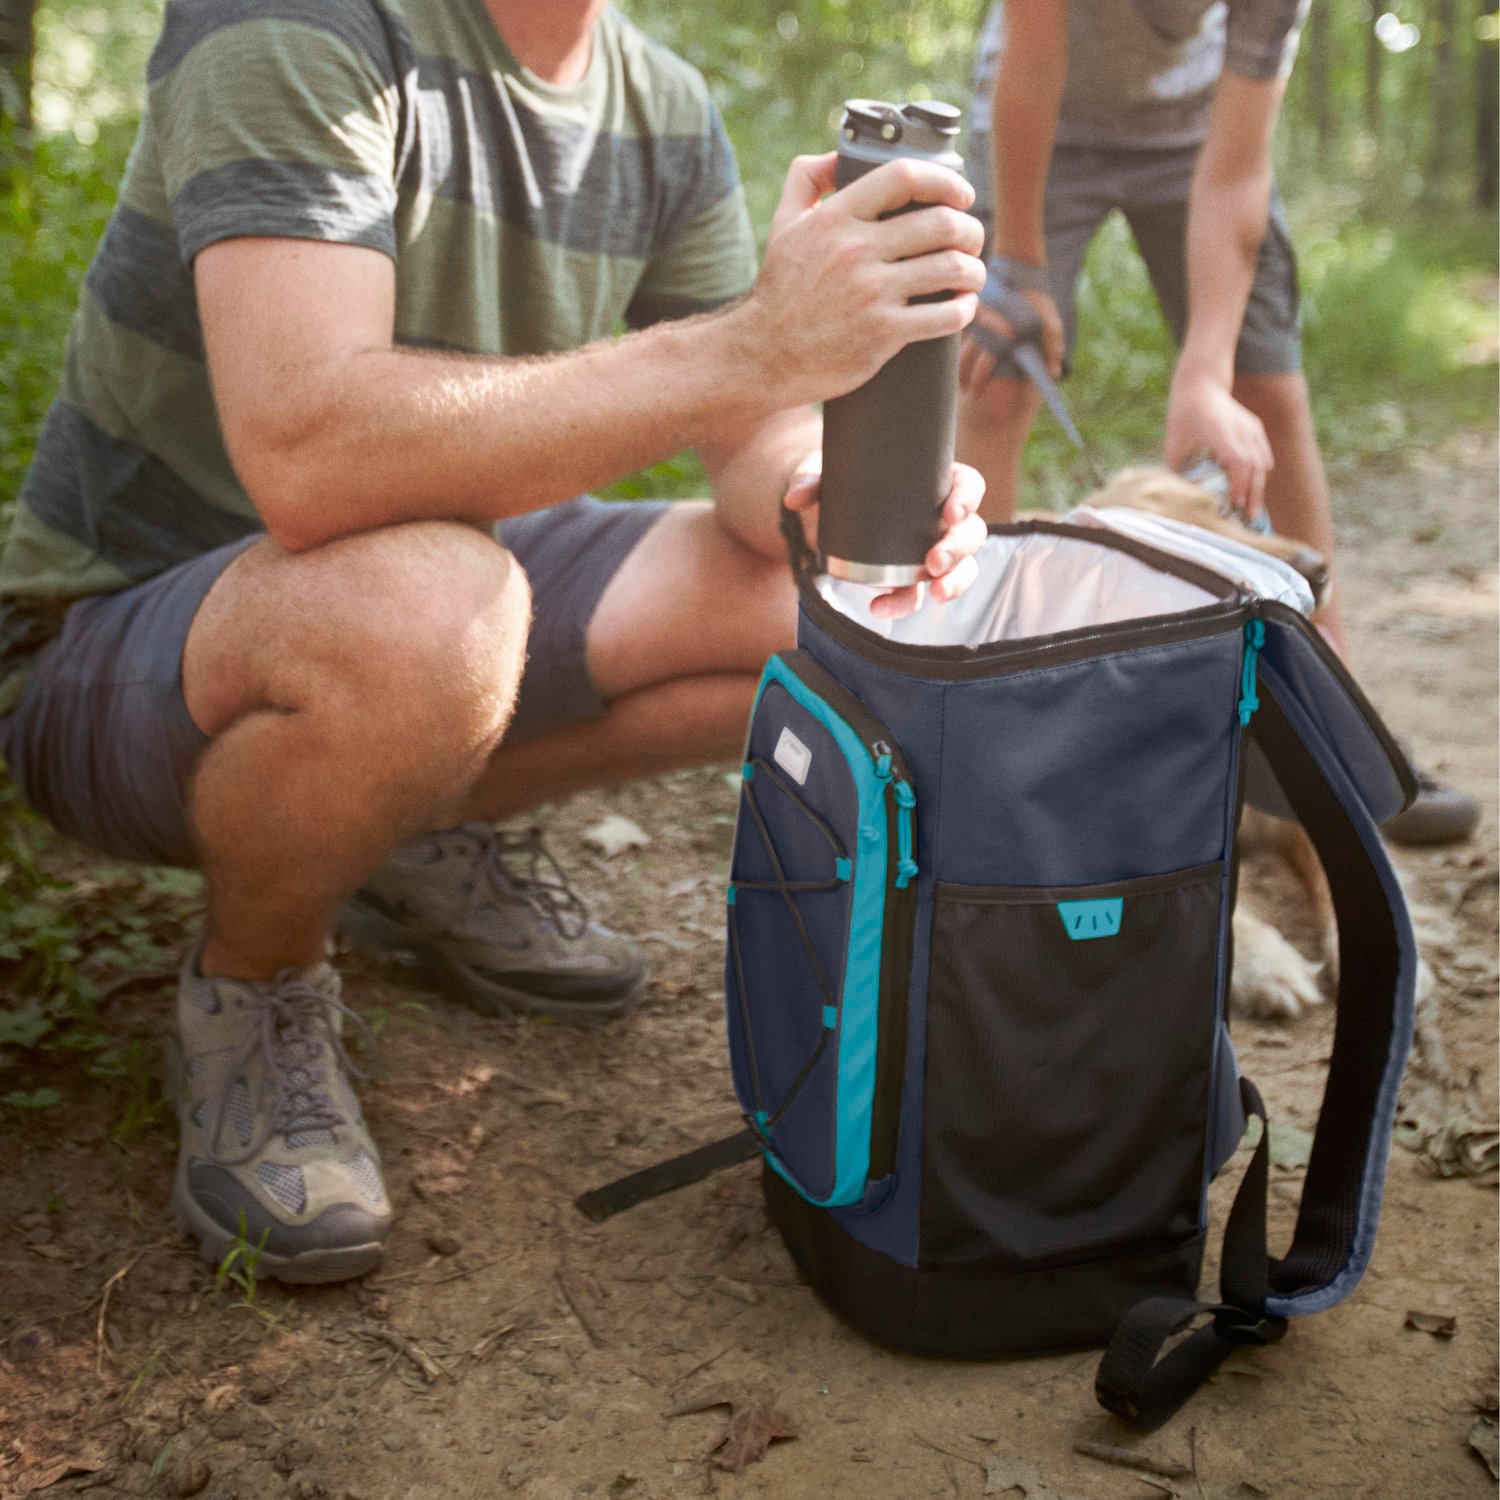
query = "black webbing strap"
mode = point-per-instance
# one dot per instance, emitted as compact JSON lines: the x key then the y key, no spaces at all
{"x":1146,"y":1390}
{"x":803,"y":559}
{"x":602,"y":1203}
{"x":1371,"y":1033}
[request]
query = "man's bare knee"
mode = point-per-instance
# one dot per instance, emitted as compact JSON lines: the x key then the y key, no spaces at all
{"x":433,"y":614}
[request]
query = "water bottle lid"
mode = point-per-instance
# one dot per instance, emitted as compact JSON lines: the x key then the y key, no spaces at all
{"x":874,"y":115}
{"x":944,"y":118}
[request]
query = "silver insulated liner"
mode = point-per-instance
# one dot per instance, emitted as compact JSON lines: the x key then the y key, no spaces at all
{"x":1039,"y":583}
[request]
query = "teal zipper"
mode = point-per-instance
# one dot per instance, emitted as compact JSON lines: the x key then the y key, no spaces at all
{"x":906,"y":866}
{"x":1255,"y":638}
{"x":906,"y":799}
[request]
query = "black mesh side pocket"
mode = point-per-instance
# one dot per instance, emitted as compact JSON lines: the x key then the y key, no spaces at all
{"x":1070,"y":1049}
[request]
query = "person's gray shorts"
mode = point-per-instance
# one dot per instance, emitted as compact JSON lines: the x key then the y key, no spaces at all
{"x":102,"y":744}
{"x":1150,"y":188}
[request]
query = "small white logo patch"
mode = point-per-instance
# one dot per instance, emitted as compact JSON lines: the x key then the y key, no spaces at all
{"x":793,"y":757}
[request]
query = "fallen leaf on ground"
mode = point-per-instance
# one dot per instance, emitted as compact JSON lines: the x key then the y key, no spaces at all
{"x":1457,"y":1148}
{"x":1007,"y":1473}
{"x":61,"y":1468}
{"x":614,"y":834}
{"x":1441,"y":1325}
{"x":221,"y":1398}
{"x":754,"y":1424}
{"x":1291,"y":1146}
{"x":1241,"y":1361}
{"x":1483,"y":1440}
{"x":752,"y":1429}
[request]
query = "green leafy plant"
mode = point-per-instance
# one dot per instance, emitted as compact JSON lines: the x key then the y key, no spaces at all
{"x":239,"y":1269}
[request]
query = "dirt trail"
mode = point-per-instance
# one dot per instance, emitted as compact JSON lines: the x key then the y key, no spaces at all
{"x":510,"y":1348}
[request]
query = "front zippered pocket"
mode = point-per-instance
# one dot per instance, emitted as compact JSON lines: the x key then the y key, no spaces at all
{"x":822,"y":902}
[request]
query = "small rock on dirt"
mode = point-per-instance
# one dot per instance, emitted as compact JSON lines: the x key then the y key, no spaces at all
{"x":442,"y":1243}
{"x":260,"y":1389}
{"x":615,"y":834}
{"x":1484,"y":1441}
{"x":1440,"y":1325}
{"x":292,"y":1456}
{"x":190,"y":1477}
{"x":392,"y":1441}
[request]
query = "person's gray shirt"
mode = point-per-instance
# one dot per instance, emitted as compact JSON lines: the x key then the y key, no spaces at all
{"x":1142,"y":72}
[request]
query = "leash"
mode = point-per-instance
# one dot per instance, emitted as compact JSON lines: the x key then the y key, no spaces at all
{"x":1024,"y":349}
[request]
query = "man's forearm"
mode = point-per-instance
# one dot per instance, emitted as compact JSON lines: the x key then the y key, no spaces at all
{"x":1028,"y":93}
{"x":398,"y":435}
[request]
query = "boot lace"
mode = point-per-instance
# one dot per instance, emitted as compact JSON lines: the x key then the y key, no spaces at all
{"x":520,"y":866}
{"x":292,"y":1031}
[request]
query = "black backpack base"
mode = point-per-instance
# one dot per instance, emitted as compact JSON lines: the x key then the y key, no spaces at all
{"x":983,"y":1311}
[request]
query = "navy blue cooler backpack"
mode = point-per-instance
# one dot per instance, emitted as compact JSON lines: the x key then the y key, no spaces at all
{"x":979,"y":955}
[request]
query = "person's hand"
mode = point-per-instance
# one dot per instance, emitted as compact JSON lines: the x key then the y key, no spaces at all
{"x":1202,"y":417}
{"x":833,"y":301}
{"x":950,"y":565}
{"x":977,"y":365}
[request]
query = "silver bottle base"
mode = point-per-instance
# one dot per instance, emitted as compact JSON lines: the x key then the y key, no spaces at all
{"x":883,"y":575}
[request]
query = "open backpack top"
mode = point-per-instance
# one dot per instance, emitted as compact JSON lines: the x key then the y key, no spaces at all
{"x":979,"y":952}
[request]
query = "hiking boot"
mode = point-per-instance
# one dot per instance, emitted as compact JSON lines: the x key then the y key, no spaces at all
{"x":490,"y":914}
{"x":274,"y":1150}
{"x":1439,"y":814}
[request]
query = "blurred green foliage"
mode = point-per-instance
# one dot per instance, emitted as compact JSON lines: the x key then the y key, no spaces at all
{"x":1398,"y":279}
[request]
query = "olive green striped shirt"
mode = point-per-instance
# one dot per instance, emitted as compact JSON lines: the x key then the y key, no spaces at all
{"x":523,"y":218}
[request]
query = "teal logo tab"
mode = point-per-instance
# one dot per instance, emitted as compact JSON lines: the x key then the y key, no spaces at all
{"x":1092,"y":919}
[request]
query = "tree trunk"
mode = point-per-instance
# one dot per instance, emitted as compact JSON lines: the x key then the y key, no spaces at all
{"x":1318,"y":39}
{"x":1374,"y":57}
{"x":1486,"y":117}
{"x":17,"y":48}
{"x":1444,"y":21}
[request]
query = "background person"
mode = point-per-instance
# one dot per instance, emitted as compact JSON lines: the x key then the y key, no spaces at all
{"x":1166,"y":111}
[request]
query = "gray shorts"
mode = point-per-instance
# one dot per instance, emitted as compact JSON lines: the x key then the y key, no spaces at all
{"x":1150,"y":187}
{"x":102,"y":744}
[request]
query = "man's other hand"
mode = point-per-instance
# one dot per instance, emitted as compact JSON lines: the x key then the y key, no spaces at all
{"x":833,"y":301}
{"x":950,"y":565}
{"x":1202,"y":417}
{"x":976,"y":365}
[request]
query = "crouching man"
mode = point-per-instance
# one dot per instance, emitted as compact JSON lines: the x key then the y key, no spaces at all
{"x":300,"y":587}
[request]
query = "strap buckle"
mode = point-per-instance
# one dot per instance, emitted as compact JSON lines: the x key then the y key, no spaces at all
{"x":1239,"y":1325}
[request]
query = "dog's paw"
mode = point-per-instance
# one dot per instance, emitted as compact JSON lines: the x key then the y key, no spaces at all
{"x":1272,"y":981}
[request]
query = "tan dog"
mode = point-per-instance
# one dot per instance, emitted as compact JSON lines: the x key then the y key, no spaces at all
{"x":1272,"y":980}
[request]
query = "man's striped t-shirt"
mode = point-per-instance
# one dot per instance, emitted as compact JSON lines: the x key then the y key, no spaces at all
{"x":523,"y":218}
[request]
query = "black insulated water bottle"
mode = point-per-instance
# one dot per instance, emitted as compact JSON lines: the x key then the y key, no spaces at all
{"x":888,"y":446}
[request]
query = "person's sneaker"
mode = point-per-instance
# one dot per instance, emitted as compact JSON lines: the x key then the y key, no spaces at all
{"x":490,"y":913}
{"x":274,"y":1151}
{"x":1439,"y":814}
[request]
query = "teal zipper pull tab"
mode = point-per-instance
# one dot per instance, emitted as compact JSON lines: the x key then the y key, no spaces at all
{"x":883,"y":766}
{"x":906,"y":866}
{"x":1255,"y":638}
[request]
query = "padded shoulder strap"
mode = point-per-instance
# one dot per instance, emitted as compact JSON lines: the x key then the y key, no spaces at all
{"x":1341,"y":1197}
{"x":1376,"y":1014}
